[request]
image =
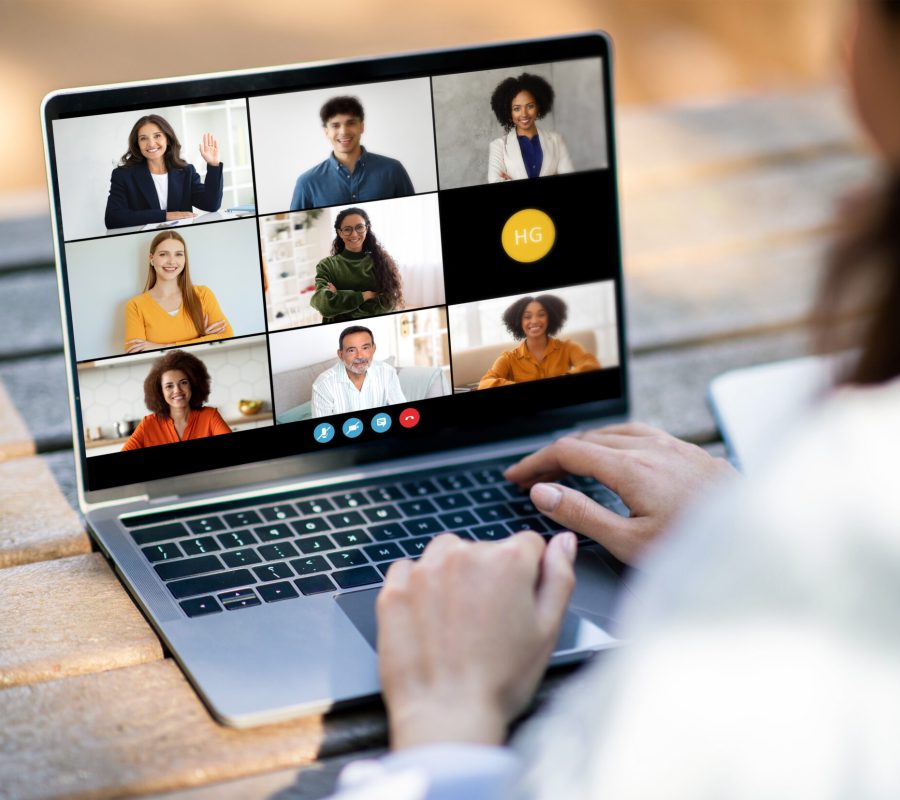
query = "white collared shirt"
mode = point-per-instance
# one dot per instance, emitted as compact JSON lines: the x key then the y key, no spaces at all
{"x":334,"y":393}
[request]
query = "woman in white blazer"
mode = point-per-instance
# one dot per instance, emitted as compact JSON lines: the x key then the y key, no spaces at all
{"x":524,"y":150}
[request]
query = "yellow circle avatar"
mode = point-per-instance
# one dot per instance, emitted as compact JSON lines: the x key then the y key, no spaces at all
{"x":528,"y":235}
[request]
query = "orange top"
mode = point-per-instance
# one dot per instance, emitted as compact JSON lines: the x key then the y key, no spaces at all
{"x":155,"y":429}
{"x":517,"y":366}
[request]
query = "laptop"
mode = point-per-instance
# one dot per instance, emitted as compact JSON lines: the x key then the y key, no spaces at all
{"x":298,"y":308}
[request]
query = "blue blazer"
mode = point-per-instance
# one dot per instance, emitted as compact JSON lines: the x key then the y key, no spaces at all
{"x":133,"y":199}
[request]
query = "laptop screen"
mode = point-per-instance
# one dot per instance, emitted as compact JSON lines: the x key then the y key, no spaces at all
{"x":360,"y":259}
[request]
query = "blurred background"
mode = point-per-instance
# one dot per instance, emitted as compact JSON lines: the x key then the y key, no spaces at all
{"x":666,"y":49}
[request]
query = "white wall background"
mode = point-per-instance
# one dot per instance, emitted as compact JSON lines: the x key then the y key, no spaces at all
{"x":466,"y":125}
{"x":591,"y":306}
{"x":288,"y":137}
{"x":300,"y":348}
{"x":104,"y":274}
{"x":88,"y":149}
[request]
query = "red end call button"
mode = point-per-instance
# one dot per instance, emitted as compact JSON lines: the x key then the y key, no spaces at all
{"x":409,"y":418}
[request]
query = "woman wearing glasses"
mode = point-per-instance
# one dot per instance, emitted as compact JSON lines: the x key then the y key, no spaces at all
{"x":359,"y":279}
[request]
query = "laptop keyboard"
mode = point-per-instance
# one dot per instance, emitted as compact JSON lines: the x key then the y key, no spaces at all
{"x":243,"y":553}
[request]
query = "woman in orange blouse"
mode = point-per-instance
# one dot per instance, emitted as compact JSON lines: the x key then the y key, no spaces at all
{"x":537,"y":320}
{"x":171,"y":309}
{"x":175,"y":391}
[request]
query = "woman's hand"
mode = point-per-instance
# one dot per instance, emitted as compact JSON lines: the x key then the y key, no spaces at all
{"x":140,"y":345}
{"x":655,"y":474}
{"x":171,"y":215}
{"x":464,"y":634}
{"x":367,"y":295}
{"x":331,"y":287}
{"x":216,"y":327}
{"x":504,"y":176}
{"x":209,"y":149}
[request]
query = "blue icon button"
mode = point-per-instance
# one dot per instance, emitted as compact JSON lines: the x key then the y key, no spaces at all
{"x":352,"y":427}
{"x":381,"y":423}
{"x":323,"y":432}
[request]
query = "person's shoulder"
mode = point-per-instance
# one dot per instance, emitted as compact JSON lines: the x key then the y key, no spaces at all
{"x":313,"y":172}
{"x":327,"y":374}
{"x":376,"y":159}
{"x":203,"y":292}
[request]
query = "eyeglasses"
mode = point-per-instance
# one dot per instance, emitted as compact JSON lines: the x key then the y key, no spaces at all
{"x":347,"y":230}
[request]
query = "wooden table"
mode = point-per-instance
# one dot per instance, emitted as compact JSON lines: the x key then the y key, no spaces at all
{"x":726,"y":214}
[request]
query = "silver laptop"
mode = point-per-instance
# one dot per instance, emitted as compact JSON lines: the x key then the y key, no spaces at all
{"x":311,"y":313}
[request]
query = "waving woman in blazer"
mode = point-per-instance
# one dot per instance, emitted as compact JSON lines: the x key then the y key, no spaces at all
{"x":153,"y":183}
{"x":524,"y":151}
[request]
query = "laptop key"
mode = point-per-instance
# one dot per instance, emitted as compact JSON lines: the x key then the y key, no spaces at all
{"x":159,"y":533}
{"x":448,"y":502}
{"x":271,"y":533}
{"x":207,"y":584}
{"x":277,"y":513}
{"x":351,"y":538}
{"x":493,"y":513}
{"x":492,"y":495}
{"x":529,"y":524}
{"x":200,"y":545}
{"x":386,"y":494}
{"x":310,"y":525}
{"x":454,"y":483}
{"x":415,"y":546}
{"x":240,"y":519}
{"x":187,"y":566}
{"x":205,"y":525}
{"x":307,"y":566}
{"x":384,"y":533}
{"x":491,"y":533}
{"x":316,"y":584}
{"x":277,"y":551}
{"x":523,"y":508}
{"x":384,"y":552}
{"x":314,"y":544}
{"x":274,"y":572}
{"x":460,"y":519}
{"x":348,"y":558}
{"x":413,"y":508}
{"x":418,"y":527}
{"x":200,"y":606}
{"x":243,"y":598}
{"x":350,"y":500}
{"x":272,"y":592}
{"x":358,"y":576}
{"x":382,"y":514}
{"x":421,"y":488}
{"x":346,"y":519}
{"x":487,"y":475}
{"x":240,"y":558}
{"x":314,"y":506}
{"x":162,"y":552}
{"x":236,"y":539}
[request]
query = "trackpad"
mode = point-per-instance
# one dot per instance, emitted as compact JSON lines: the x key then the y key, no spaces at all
{"x":577,"y":634}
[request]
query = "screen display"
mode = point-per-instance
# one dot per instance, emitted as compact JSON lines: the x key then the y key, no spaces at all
{"x":291,"y":262}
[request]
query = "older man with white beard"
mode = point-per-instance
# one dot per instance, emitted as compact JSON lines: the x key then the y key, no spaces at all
{"x":356,"y":382}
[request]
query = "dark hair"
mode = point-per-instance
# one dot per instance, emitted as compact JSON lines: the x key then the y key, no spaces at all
{"x":556,"y":309}
{"x":133,"y":156}
{"x":341,"y":105}
{"x":388,"y":283}
{"x":350,"y":331}
{"x":193,"y":367}
{"x":189,"y":298}
{"x":502,"y":98}
{"x":864,"y":274}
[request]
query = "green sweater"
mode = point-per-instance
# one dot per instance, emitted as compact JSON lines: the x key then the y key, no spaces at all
{"x":352,"y":274}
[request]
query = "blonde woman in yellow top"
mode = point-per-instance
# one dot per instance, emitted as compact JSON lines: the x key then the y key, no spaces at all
{"x":171,"y":310}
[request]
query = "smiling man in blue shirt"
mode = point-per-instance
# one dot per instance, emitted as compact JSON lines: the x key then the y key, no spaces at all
{"x":351,"y":174}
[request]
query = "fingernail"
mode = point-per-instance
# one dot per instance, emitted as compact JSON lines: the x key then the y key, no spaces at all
{"x":545,"y":496}
{"x":568,"y":543}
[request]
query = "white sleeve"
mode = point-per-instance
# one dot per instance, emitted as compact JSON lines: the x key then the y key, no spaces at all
{"x":496,"y":161}
{"x":564,"y":164}
{"x":394,"y":391}
{"x":322,"y":399}
{"x":432,"y":772}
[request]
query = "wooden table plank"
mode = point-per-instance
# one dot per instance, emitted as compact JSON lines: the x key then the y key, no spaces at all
{"x":36,"y":521}
{"x":66,"y":617}
{"x":37,"y":387}
{"x":15,"y":438}
{"x":142,"y":729}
